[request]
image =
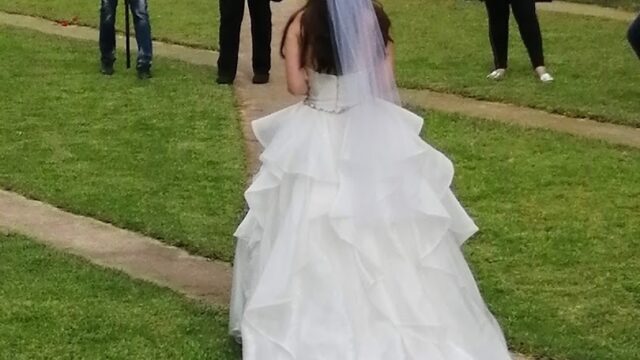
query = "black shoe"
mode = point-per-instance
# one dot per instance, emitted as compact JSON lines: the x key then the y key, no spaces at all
{"x":106,"y":68}
{"x":260,"y":78}
{"x":144,"y":72}
{"x":225,"y":79}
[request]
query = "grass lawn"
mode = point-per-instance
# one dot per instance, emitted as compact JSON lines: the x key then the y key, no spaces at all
{"x":163,"y":157}
{"x":558,"y":254}
{"x":187,"y":22}
{"x":55,"y":306}
{"x":556,"y":257}
{"x":443,"y":45}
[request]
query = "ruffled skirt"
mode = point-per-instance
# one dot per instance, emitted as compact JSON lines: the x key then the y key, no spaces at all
{"x":312,"y":286}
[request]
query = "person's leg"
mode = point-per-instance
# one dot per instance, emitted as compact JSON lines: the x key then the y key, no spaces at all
{"x":107,"y":34}
{"x":498,"y":13}
{"x":525,"y":13}
{"x":634,"y":35}
{"x":231,"y":13}
{"x":142,"y":25}
{"x":261,"y":29}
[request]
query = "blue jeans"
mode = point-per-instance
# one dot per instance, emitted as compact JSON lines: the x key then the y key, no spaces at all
{"x":634,"y":35}
{"x":108,"y":31}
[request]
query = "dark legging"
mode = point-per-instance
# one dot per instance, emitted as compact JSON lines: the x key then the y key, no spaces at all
{"x":525,"y":13}
{"x":634,"y":35}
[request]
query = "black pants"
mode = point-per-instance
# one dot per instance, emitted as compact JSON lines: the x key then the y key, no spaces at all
{"x":231,"y":13}
{"x":525,"y":13}
{"x":108,"y":32}
{"x":634,"y":35}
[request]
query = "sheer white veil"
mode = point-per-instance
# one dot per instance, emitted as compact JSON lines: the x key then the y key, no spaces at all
{"x":361,"y":50}
{"x":377,"y":174}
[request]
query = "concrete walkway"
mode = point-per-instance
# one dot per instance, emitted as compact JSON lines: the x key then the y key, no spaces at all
{"x":179,"y":52}
{"x":106,"y":245}
{"x":523,"y":116}
{"x":259,"y":100}
{"x":587,"y":10}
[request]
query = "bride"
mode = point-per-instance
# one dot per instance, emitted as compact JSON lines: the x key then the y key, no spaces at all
{"x":351,"y":247}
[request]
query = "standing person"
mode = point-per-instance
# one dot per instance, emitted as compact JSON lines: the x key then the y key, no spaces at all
{"x":351,"y":247}
{"x":634,"y":35}
{"x":231,"y":14}
{"x":525,"y":13}
{"x":108,"y":36}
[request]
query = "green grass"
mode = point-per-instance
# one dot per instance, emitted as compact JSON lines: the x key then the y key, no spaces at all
{"x":163,"y":157}
{"x":186,"y":22}
{"x":55,"y":306}
{"x":558,"y":254}
{"x":443,"y":45}
{"x":556,"y":257}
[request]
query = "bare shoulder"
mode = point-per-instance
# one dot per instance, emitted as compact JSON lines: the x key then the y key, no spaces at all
{"x":296,"y":24}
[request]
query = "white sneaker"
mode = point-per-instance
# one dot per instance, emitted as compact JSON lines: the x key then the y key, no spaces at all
{"x":497,"y":74}
{"x":546,"y":78}
{"x":543,"y":75}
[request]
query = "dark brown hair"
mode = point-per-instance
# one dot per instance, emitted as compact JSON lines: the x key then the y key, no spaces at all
{"x":317,"y":51}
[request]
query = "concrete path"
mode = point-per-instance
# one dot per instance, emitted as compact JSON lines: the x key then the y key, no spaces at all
{"x":179,"y":52}
{"x":106,"y":245}
{"x":259,"y":100}
{"x":587,"y":10}
{"x":528,"y":117}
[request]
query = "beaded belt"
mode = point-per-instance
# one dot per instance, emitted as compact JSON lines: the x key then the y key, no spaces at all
{"x":308,"y":102}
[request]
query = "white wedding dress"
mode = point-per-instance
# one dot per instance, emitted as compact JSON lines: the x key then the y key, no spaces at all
{"x":309,"y":286}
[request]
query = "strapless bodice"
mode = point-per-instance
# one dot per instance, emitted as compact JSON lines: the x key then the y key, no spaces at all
{"x":329,"y":93}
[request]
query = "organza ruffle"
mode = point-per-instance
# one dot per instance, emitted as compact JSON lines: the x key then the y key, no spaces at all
{"x":312,"y":282}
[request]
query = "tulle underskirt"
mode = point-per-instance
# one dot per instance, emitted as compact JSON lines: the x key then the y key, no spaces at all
{"x":311,"y":283}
